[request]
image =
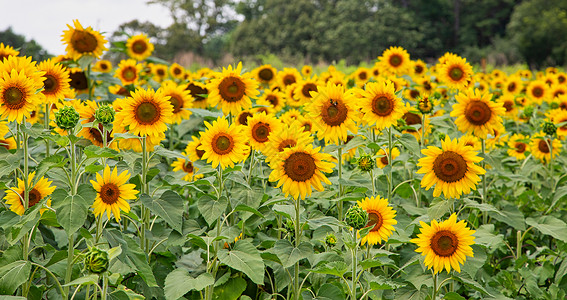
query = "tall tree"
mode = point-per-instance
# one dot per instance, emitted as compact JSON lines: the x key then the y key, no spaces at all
{"x":26,"y":48}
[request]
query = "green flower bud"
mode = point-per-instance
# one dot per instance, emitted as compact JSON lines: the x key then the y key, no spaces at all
{"x":425,"y":105}
{"x":67,"y":118}
{"x":549,"y":128}
{"x":442,"y":136}
{"x":105,"y":114}
{"x":331,"y":240}
{"x":356,"y":217}
{"x":365,"y":163}
{"x":96,"y":261}
{"x":554,"y":105}
{"x":289,"y":226}
{"x":528,"y":111}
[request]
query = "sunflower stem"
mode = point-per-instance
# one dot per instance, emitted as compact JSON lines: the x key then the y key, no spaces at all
{"x":90,"y":82}
{"x":69,"y":271}
{"x":390,"y":179}
{"x":340,"y":202}
{"x":484,"y":200}
{"x":297,"y":239}
{"x":551,"y":164}
{"x":46,"y":125}
{"x":251,"y":166}
{"x":25,"y":238}
{"x":373,"y":184}
{"x":434,"y":292}
{"x":104,"y":287}
{"x":145,"y":190}
{"x":354,"y":262}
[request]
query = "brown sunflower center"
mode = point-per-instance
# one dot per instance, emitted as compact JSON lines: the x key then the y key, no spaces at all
{"x":199,"y":152}
{"x":160,"y":72}
{"x":444,"y":243}
{"x":478,"y":112}
{"x":222,"y":143}
{"x":78,"y":80}
{"x":334,"y":112}
{"x":306,"y":126}
{"x":287,"y":143}
{"x":49,"y":84}
{"x":511,"y":86}
{"x":563,"y":105}
{"x":176,"y":102}
{"x":243,"y":118}
{"x":260,"y":132}
{"x":129,"y":73}
{"x":543,"y":146}
{"x":273,"y":100}
{"x":196,"y":91}
{"x":300,"y":166}
{"x":307,"y":88}
{"x":34,"y":197}
{"x":362,"y":76}
{"x":395,"y":60}
{"x":177,"y":71}
{"x":289,"y":79}
{"x":508,"y":105}
{"x":450,"y":166}
{"x":97,"y":133}
{"x":382,"y":105}
{"x":109,"y":193}
{"x":418,"y":69}
{"x":83,"y":41}
{"x":561,"y":79}
{"x":520,"y":147}
{"x":14,"y":98}
{"x":147,"y":113}
{"x":104,"y":66}
{"x":232,"y":89}
{"x":266,"y":74}
{"x":411,"y":119}
{"x":188,"y":167}
{"x":456,"y":73}
{"x":427,"y":86}
{"x":375,"y":219}
{"x":537,"y":92}
{"x":384,"y":160}
{"x":558,"y":93}
{"x":139,"y":47}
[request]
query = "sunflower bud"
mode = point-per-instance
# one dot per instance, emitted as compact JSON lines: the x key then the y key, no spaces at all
{"x":67,"y":118}
{"x":331,"y":240}
{"x":105,"y":114}
{"x":365,"y":163}
{"x":554,"y":105}
{"x":528,"y":111}
{"x":425,"y":105}
{"x":96,"y":261}
{"x":356,"y":217}
{"x":549,"y":128}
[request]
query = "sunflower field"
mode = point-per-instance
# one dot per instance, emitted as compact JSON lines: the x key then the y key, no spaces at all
{"x":404,"y":180}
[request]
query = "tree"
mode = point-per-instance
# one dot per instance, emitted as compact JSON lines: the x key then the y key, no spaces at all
{"x":26,"y":48}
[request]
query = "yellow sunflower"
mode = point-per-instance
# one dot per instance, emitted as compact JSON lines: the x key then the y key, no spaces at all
{"x":306,"y":71}
{"x":103,"y":66}
{"x":260,"y":127}
{"x":476,"y":114}
{"x":192,"y":150}
{"x":14,"y":197}
{"x":560,"y":117}
{"x":243,"y":116}
{"x":176,"y":71}
{"x":232,"y":90}
{"x":275,"y":99}
{"x":7,"y":50}
{"x":112,"y":193}
{"x":18,"y":96}
{"x":159,"y":71}
{"x":147,"y":112}
{"x":303,"y":89}
{"x":361,"y":76}
{"x":513,"y":85}
{"x":83,"y":41}
{"x":455,"y":72}
{"x":382,"y":160}
{"x":286,"y":137}
{"x":187,"y":167}
{"x":139,"y":47}
{"x":419,"y":67}
{"x":300,"y":168}
{"x":557,"y":90}
{"x":509,"y":104}
{"x":333,"y":112}
{"x":265,"y":74}
{"x":94,"y":133}
{"x":290,"y":116}
{"x":25,"y":65}
{"x":473,"y":141}
{"x":291,"y":98}
{"x":517,"y":146}
{"x":537,"y":91}
{"x":79,"y":82}
{"x":128,"y":71}
{"x":396,"y":60}
{"x":445,"y":245}
{"x":542,"y":147}
{"x":223,"y":144}
{"x":56,"y":83}
{"x":287,"y":77}
{"x":451,"y":169}
{"x":379,"y":104}
{"x":199,"y":92}
{"x":380,"y":217}
{"x":180,"y":99}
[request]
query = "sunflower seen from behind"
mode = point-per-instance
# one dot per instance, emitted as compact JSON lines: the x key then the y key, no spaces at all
{"x":139,"y":47}
{"x":42,"y":188}
{"x":224,"y":144}
{"x":380,"y":217}
{"x":112,"y":191}
{"x":231,"y":90}
{"x":476,"y":113}
{"x":379,"y":104}
{"x":82,"y":41}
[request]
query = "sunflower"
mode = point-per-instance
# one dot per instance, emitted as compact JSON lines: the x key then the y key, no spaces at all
{"x":333,"y":112}
{"x":476,"y":114}
{"x":139,"y":47}
{"x":361,"y":76}
{"x":308,"y":125}
{"x":232,"y":90}
{"x":509,"y":104}
{"x":300,"y":168}
{"x":56,"y":83}
{"x":396,"y":60}
{"x":455,"y":72}
{"x":177,"y":71}
{"x":79,"y":82}
{"x":103,"y":66}
{"x":303,"y":89}
{"x":243,"y":116}
{"x":286,"y":137}
{"x":381,"y":217}
{"x":451,"y":169}
{"x":287,"y":77}
{"x":7,"y":142}
{"x":306,"y":71}
{"x":382,"y":160}
{"x":187,"y":167}
{"x":291,"y":116}
{"x":380,"y":105}
{"x":192,"y":150}
{"x":75,"y":103}
{"x":128,"y":71}
{"x":513,"y":85}
{"x":419,"y":67}
{"x":473,"y":141}
{"x":445,"y":245}
{"x":147,"y":112}
{"x":557,"y":90}
{"x":260,"y":127}
{"x":537,"y":91}
{"x":291,"y":98}
{"x":275,"y":99}
{"x":265,"y":74}
{"x":112,"y":193}
{"x":560,"y":117}
{"x":424,"y":85}
{"x":83,"y":41}
{"x":18,"y":97}
{"x":159,"y":71}
{"x":135,"y":143}
{"x":199,"y":92}
{"x":223,"y":144}
{"x":94,"y":133}
{"x":517,"y":146}
{"x":180,"y":99}
{"x":542,"y":147}
{"x":23,"y":64}
{"x":14,"y":197}
{"x":7,"y":50}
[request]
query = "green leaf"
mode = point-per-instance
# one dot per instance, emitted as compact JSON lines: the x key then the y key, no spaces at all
{"x":409,"y":142}
{"x":510,"y":215}
{"x":453,"y":296}
{"x":93,"y":169}
{"x":336,"y":268}
{"x":439,"y":208}
{"x":211,"y":208}
{"x":205,"y":113}
{"x":89,"y":279}
{"x":244,"y":207}
{"x":550,"y":226}
{"x":85,"y":61}
{"x":93,"y":151}
{"x":287,"y":210}
{"x":330,"y":292}
{"x":53,"y":161}
{"x":246,"y":258}
{"x":168,"y":206}
{"x":231,"y":290}
{"x":288,"y":254}
{"x":9,"y":162}
{"x":178,"y":283}
{"x":71,"y":211}
{"x":161,"y":151}
{"x":13,"y":275}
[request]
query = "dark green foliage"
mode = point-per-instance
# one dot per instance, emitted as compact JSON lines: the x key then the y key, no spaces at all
{"x":26,"y":48}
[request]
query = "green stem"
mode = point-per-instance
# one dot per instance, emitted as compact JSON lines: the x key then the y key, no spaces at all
{"x":373,"y":184}
{"x":484,"y":198}
{"x":251,"y":166}
{"x":104,"y":287}
{"x":90,"y":82}
{"x":434,"y":292}
{"x":354,"y":262}
{"x":340,"y":202}
{"x":46,"y":125}
{"x":145,"y":190}
{"x":518,"y":244}
{"x":27,"y":188}
{"x":390,"y":179}
{"x":297,"y":239}
{"x":69,"y":271}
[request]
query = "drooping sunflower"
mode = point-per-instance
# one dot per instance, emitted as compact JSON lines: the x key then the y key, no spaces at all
{"x":180,"y":99}
{"x":382,"y":157}
{"x":128,"y":71}
{"x":451,"y":169}
{"x":7,"y":50}
{"x":379,"y":104}
{"x":260,"y":127}
{"x":287,"y":77}
{"x":139,"y":47}
{"x":275,"y":99}
{"x":187,"y":167}
{"x":380,"y":217}
{"x":83,"y":41}
{"x":395,"y":60}
{"x":232,"y":90}
{"x":147,"y":112}
{"x":476,"y":114}
{"x":103,"y":66}
{"x":455,"y":72}
{"x":223,"y":144}
{"x":333,"y":112}
{"x":445,"y":245}
{"x":18,"y":97}
{"x":192,"y":150}
{"x":112,"y":191}
{"x":14,"y":197}
{"x":300,"y":168}
{"x":542,"y":147}
{"x":56,"y":83}
{"x":265,"y":74}
{"x":537,"y":91}
{"x":199,"y":92}
{"x":518,"y":146}
{"x":286,"y":137}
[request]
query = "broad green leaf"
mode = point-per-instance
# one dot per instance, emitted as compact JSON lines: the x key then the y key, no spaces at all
{"x":168,"y":206}
{"x":511,"y":215}
{"x":178,"y":283}
{"x":53,"y":161}
{"x":161,"y":151}
{"x":409,"y":142}
{"x":453,"y":296}
{"x":336,"y":268}
{"x":246,"y":258}
{"x":231,"y":290}
{"x":9,"y":162}
{"x":289,"y":255}
{"x":381,"y":283}
{"x":550,"y":226}
{"x":71,"y":212}
{"x":13,"y":275}
{"x":93,"y":151}
{"x":439,"y":208}
{"x":25,"y":223}
{"x":287,"y":210}
{"x":211,"y":208}
{"x":88,"y":279}
{"x":330,"y":292}
{"x":244,"y":207}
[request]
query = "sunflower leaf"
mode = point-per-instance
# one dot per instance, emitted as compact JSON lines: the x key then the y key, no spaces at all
{"x":13,"y":275}
{"x":71,"y":212}
{"x":289,"y":255}
{"x":211,"y":208}
{"x":549,"y":225}
{"x":179,"y":282}
{"x":246,"y":258}
{"x":168,"y":207}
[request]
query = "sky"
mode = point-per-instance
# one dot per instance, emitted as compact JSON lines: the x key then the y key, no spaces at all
{"x":45,"y":20}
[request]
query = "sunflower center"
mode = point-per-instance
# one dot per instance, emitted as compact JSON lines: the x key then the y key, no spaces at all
{"x":478,"y":112}
{"x":147,"y":113}
{"x":395,"y":60}
{"x":300,"y":166}
{"x":199,"y":152}
{"x":418,"y":69}
{"x":334,"y":112}
{"x":411,"y":119}
{"x":444,"y":243}
{"x":508,"y":105}
{"x":427,"y":86}
{"x":563,"y":105}
{"x":520,"y":147}
{"x":176,"y":71}
{"x":450,"y":166}
{"x":375,"y":219}
{"x":188,"y":167}
{"x":78,"y":80}
{"x":14,"y":98}
{"x":49,"y":84}
{"x":104,"y":67}
{"x":243,"y":118}
{"x":83,"y":41}
{"x":382,"y":105}
{"x":543,"y":146}
{"x":260,"y":132}
{"x":129,"y":73}
{"x":558,"y":93}
{"x":289,"y":79}
{"x":537,"y":92}
{"x":109,"y":193}
{"x":161,"y":72}
{"x":97,"y":134}
{"x":231,"y":89}
{"x":266,"y":74}
{"x":307,"y":88}
{"x":362,"y":76}
{"x":456,"y":73}
{"x":307,"y":126}
{"x":384,"y":160}
{"x":176,"y":103}
{"x":222,"y":144}
{"x":288,"y":143}
{"x":139,"y":47}
{"x":511,"y":87}
{"x":34,"y":198}
{"x":414,"y":94}
{"x":197,"y":91}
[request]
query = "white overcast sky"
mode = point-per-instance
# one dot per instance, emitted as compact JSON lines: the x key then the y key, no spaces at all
{"x":45,"y":20}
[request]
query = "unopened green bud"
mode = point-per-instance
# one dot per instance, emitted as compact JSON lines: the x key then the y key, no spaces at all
{"x":549,"y":128}
{"x":425,"y":105}
{"x":331,"y":240}
{"x":356,"y":217}
{"x":67,"y":117}
{"x":365,"y":163}
{"x":96,"y":261}
{"x":105,"y":114}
